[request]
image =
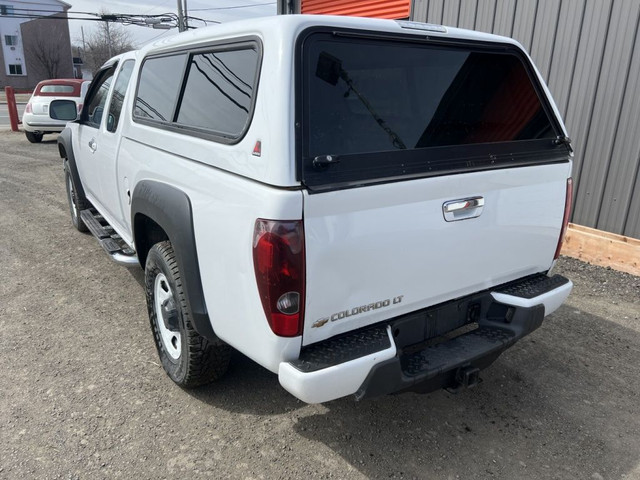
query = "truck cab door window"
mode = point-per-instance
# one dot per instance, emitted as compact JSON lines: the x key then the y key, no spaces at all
{"x":96,"y":98}
{"x":119,"y":91}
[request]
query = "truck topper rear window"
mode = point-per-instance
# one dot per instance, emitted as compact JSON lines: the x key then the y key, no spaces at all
{"x":378,"y":108}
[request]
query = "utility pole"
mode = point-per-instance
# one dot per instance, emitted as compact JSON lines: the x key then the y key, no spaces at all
{"x":186,"y":16}
{"x":109,"y":39}
{"x":287,"y":7}
{"x":180,"y":17}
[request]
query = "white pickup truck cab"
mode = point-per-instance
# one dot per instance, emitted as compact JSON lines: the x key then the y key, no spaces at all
{"x":361,"y":206}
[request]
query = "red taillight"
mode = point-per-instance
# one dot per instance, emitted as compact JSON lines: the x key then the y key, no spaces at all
{"x":278,"y":260}
{"x":28,"y":108}
{"x":565,"y":220}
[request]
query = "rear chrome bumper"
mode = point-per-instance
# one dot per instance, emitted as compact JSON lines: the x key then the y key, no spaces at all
{"x":416,"y":352}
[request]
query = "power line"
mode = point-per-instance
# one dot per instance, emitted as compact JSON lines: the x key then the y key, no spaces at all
{"x":125,"y":19}
{"x":202,"y":20}
{"x":39,"y":11}
{"x":53,"y":17}
{"x":168,"y":19}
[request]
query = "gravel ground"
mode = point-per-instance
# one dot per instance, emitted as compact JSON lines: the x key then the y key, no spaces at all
{"x":83,"y":396}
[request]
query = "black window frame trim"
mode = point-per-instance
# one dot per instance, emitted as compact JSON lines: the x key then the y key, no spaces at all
{"x":239,"y":43}
{"x":93,"y":86}
{"x":474,"y":157}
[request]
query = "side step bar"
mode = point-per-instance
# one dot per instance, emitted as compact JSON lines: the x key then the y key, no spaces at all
{"x":109,"y":240}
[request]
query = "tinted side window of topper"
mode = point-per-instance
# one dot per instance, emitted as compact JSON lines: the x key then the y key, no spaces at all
{"x":207,"y":91}
{"x":159,"y":86}
{"x":219,"y":91}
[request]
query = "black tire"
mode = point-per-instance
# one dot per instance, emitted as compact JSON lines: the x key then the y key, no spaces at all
{"x":188,"y":358}
{"x":34,"y":137}
{"x":77,"y":202}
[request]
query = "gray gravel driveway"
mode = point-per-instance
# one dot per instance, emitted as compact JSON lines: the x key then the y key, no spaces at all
{"x":82,"y":394}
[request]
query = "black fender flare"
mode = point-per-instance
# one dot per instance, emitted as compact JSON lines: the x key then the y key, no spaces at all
{"x":64,"y":142}
{"x":170,"y":208}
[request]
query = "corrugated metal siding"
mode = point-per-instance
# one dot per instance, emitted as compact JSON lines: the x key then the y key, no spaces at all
{"x":544,"y":39}
{"x":563,"y":60}
{"x":606,"y":114}
{"x":359,"y":8}
{"x":468,"y":14}
{"x":588,"y":51}
{"x":450,"y":13}
{"x":420,"y":10}
{"x":435,"y":10}
{"x":505,"y":17}
{"x":626,"y":146}
{"x":525,"y":21}
{"x":485,"y":15}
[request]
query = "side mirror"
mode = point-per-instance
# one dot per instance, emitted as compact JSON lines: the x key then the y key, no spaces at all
{"x":66,"y":110}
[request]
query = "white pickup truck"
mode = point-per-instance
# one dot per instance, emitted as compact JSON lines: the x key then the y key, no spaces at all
{"x":361,"y":206}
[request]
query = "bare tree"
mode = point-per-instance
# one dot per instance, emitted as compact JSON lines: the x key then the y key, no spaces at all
{"x":105,"y":41}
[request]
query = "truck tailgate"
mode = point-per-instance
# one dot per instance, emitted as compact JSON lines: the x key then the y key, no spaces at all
{"x":376,"y":252}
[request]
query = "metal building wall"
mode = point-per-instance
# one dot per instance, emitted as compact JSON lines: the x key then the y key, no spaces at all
{"x":369,"y":8}
{"x":588,"y":52}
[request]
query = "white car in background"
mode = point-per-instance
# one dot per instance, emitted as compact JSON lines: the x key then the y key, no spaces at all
{"x":36,"y":120}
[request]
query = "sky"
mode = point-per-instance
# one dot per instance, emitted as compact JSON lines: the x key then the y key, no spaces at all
{"x":218,"y":10}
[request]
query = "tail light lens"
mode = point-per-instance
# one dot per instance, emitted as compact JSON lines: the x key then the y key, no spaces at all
{"x":565,"y":220}
{"x":278,"y":260}
{"x":28,"y":108}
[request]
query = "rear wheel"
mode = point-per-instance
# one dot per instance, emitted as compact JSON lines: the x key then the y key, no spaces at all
{"x":34,"y":137}
{"x":187,"y":357}
{"x":77,"y":202}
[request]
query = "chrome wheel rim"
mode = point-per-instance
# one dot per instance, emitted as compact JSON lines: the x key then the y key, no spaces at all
{"x":171,"y":340}
{"x":72,"y":197}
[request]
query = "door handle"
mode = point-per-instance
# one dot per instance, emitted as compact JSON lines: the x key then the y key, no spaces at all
{"x":93,"y":145}
{"x":463,"y":208}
